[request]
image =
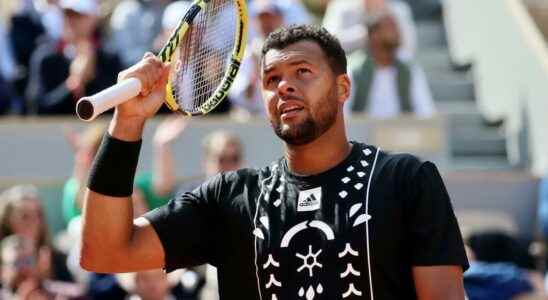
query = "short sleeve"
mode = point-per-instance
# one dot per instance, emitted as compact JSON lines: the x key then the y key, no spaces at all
{"x":186,"y":226}
{"x":434,"y":233}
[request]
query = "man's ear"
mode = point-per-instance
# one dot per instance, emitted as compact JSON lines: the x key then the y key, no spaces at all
{"x":343,"y":87}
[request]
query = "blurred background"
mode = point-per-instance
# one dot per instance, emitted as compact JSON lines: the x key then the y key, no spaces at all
{"x":463,"y":83}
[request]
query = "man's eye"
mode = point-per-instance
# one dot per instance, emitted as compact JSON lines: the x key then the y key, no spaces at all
{"x":303,"y":71}
{"x":273,"y":79}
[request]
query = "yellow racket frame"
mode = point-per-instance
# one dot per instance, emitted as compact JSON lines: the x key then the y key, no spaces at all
{"x":167,"y":53}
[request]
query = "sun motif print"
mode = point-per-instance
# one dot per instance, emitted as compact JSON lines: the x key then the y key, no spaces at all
{"x":317,"y":246}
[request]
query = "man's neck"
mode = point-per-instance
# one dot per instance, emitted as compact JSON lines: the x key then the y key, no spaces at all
{"x":320,"y":155}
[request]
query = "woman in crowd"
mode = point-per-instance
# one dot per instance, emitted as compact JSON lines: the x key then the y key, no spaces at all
{"x":22,"y":214}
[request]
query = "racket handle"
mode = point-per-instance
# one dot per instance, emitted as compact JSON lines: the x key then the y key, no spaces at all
{"x":88,"y":108}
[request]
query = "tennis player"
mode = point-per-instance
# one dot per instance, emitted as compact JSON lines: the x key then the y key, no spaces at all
{"x":332,"y":219}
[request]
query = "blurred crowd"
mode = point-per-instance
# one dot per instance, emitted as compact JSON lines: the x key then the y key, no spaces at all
{"x":34,"y":264}
{"x":53,"y":52}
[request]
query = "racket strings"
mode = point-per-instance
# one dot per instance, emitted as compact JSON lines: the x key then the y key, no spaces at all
{"x":204,"y":55}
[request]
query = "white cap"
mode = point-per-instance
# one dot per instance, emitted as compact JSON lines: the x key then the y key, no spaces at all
{"x":173,"y":13}
{"x":84,"y":7}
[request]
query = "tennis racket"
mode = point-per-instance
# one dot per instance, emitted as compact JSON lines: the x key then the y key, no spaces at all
{"x":205,"y":52}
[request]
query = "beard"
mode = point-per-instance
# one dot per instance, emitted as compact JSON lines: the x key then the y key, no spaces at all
{"x":310,"y":128}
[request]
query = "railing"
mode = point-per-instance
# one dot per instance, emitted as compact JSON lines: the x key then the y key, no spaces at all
{"x":510,"y":65}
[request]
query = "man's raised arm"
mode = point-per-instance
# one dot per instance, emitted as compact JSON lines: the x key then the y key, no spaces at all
{"x":112,"y":241}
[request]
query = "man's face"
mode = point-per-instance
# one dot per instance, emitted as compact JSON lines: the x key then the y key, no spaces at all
{"x":229,"y":158}
{"x":387,"y":33}
{"x":27,"y":218}
{"x":79,"y":26}
{"x":299,"y":89}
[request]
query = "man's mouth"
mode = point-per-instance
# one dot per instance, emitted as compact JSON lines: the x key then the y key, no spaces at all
{"x":290,"y":111}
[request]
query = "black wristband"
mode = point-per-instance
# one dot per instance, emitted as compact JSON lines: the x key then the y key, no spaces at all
{"x":114,"y":167}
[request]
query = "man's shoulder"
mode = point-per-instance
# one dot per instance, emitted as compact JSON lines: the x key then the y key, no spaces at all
{"x":400,"y":159}
{"x":393,"y":162}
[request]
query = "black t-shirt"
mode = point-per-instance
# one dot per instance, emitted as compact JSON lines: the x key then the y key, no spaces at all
{"x":352,"y":232}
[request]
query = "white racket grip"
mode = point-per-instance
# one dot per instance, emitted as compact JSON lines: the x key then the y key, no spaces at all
{"x":88,"y":108}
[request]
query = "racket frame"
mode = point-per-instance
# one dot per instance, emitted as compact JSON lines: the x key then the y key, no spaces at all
{"x":240,"y":40}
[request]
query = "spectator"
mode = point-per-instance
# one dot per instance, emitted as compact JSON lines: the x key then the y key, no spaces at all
{"x":245,"y":93}
{"x":385,"y":86}
{"x":346,"y":19}
{"x":22,"y":214}
{"x":500,"y":279}
{"x":223,"y":152}
{"x":23,"y":272}
{"x":77,"y":65}
{"x":497,"y":246}
{"x":135,"y":24}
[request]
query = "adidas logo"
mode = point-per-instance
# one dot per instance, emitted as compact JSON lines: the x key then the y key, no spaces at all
{"x":309,"y":200}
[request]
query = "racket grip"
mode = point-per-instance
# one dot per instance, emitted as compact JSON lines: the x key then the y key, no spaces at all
{"x":88,"y":108}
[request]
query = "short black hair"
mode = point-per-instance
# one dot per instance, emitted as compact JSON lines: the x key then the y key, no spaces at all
{"x":329,"y":44}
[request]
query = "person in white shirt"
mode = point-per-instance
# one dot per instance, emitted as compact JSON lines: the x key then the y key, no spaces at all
{"x":385,"y":85}
{"x":346,"y":20}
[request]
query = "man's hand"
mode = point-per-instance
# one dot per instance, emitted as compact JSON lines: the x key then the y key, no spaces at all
{"x":153,"y":74}
{"x":129,"y":117}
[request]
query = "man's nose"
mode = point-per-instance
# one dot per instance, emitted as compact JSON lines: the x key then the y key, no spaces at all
{"x":285,"y":87}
